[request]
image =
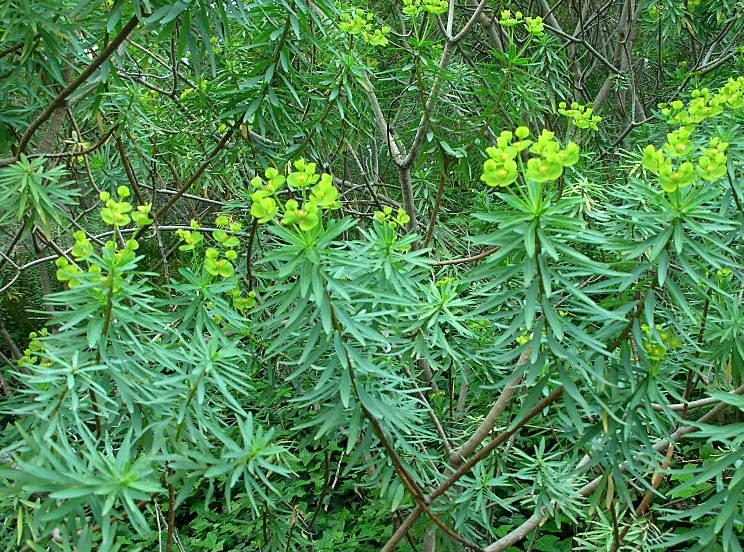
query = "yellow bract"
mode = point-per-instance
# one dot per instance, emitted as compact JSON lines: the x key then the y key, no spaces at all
{"x":503,"y":166}
{"x":316,"y":190}
{"x":581,"y":115}
{"x":386,"y":217}
{"x":358,"y":22}
{"x":711,"y":163}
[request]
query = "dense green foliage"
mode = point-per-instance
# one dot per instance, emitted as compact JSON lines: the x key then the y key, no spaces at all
{"x":416,"y":275}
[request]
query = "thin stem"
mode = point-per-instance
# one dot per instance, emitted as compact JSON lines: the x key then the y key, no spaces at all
{"x":59,"y":100}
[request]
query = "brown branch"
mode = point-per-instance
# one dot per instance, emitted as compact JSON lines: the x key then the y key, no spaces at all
{"x":171,"y":515}
{"x":86,"y":161}
{"x":249,"y":253}
{"x":194,"y":177}
{"x":408,"y":481}
{"x":517,"y":534}
{"x":9,"y":340}
{"x":463,"y":260}
{"x":532,"y":523}
{"x":502,"y":437}
{"x":677,"y":407}
{"x":11,"y":49}
{"x":6,"y":391}
{"x":492,"y":29}
{"x":101,"y":142}
{"x":466,"y":449}
{"x":437,"y":204}
{"x":432,"y":414}
{"x":59,"y":100}
{"x":14,"y":241}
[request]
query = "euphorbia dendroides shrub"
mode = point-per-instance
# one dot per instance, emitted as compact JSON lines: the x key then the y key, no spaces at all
{"x":420,"y":275}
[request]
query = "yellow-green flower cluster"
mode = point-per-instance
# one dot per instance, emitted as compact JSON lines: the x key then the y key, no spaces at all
{"x":113,"y":257}
{"x":505,"y":162}
{"x":533,"y":25}
{"x":34,"y":349}
{"x":306,"y":217}
{"x":81,"y":251}
{"x":202,"y":87}
{"x":656,"y":11}
{"x":705,"y":104}
{"x":242,"y":302}
{"x":415,"y":7}
{"x":68,"y":272}
{"x":711,"y":165}
{"x":215,"y":42}
{"x":84,"y":265}
{"x":358,"y":22}
{"x":500,"y":169}
{"x":732,"y":93}
{"x":509,"y":20}
{"x":678,"y":143}
{"x":221,"y":236}
{"x":120,"y":213}
{"x":551,"y":158}
{"x":116,"y":213}
{"x":657,"y":350}
{"x":264,"y":207}
{"x":450,"y":280}
{"x":218,"y":261}
{"x":315,"y":189}
{"x":581,"y":115}
{"x":400,"y":219}
{"x":190,"y":238}
{"x":219,"y":266}
{"x":671,"y":177}
{"x":674,"y":163}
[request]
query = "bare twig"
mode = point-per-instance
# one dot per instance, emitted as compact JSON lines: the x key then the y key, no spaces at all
{"x":59,"y":100}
